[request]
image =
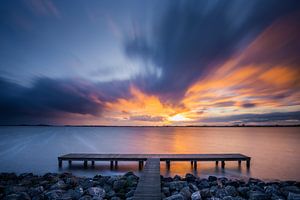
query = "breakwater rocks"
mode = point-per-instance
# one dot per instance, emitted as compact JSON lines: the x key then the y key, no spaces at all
{"x":52,"y":186}
{"x":213,"y":188}
{"x":65,"y":186}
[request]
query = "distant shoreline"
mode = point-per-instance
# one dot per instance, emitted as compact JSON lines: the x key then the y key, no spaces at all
{"x":201,"y":126}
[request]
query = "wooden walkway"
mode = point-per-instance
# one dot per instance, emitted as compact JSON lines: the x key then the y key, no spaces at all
{"x":148,"y":187}
{"x":114,"y":158}
{"x":149,"y":183}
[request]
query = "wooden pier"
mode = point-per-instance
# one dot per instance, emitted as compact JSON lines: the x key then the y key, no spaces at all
{"x":148,"y":187}
{"x":141,"y":158}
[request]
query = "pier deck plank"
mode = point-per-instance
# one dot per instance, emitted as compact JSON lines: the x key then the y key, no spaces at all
{"x":149,"y":183}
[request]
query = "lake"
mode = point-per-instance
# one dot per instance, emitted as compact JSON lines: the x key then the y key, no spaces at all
{"x":275,"y":151}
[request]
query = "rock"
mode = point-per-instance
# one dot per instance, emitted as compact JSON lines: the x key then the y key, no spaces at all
{"x":86,"y":183}
{"x":190,"y":177}
{"x":96,"y":192}
{"x":36,"y":191}
{"x":196,"y":196}
{"x":15,"y":189}
{"x":130,"y":193}
{"x":111,"y":180}
{"x":177,"y":185}
{"x":86,"y":197}
{"x":12,"y":197}
{"x":287,"y":189}
{"x":53,"y":194}
{"x":177,"y":178}
{"x":231,"y":191}
{"x":119,"y":184}
{"x":115,"y":198}
{"x":60,"y":185}
{"x":205,"y":193}
{"x":293,"y":196}
{"x":110,"y":193}
{"x":166,"y":191}
{"x":221,"y":193}
{"x":185,"y":192}
{"x":257,"y":195}
{"x":203,"y":184}
{"x":175,"y":197}
{"x":193,"y":187}
{"x":243,"y":191}
{"x":212,"y":178}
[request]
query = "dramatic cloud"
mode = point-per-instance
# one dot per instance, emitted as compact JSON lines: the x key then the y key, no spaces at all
{"x":190,"y":63}
{"x":191,"y":37}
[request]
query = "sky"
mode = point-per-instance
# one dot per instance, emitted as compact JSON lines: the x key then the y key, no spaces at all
{"x":150,"y":63}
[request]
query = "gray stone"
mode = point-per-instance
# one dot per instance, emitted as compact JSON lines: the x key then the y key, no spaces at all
{"x":205,"y":193}
{"x":190,"y":177}
{"x":119,"y":184}
{"x":193,"y":187}
{"x":177,"y":185}
{"x":115,"y":198}
{"x":212,"y":178}
{"x":203,"y":184}
{"x":59,"y":185}
{"x":36,"y":191}
{"x":166,"y":191}
{"x":257,"y":195}
{"x":243,"y":191}
{"x":185,"y":192}
{"x":175,"y":197}
{"x":293,"y":196}
{"x":54,"y":194}
{"x":86,"y":197}
{"x":130,"y":193}
{"x":231,"y":191}
{"x":196,"y":196}
{"x":96,"y":192}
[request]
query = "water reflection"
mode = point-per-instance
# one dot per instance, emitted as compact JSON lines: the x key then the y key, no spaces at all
{"x":274,"y":151}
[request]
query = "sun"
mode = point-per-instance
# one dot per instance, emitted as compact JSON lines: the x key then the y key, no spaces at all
{"x":178,"y":118}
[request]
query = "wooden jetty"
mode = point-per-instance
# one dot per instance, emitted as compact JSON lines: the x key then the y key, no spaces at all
{"x":141,"y":158}
{"x":149,"y":186}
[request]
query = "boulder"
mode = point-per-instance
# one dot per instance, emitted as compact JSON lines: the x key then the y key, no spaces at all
{"x":96,"y":192}
{"x":175,"y":197}
{"x":212,"y":178}
{"x":193,"y":187}
{"x":59,"y":185}
{"x":293,"y":196}
{"x":196,"y":196}
{"x":54,"y":194}
{"x":177,"y":185}
{"x":185,"y":192}
{"x":231,"y":191}
{"x":190,"y":177}
{"x":119,"y":184}
{"x":166,"y":191}
{"x":258,"y":195}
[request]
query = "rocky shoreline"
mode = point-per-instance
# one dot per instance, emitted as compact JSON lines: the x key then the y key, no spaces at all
{"x":65,"y":186}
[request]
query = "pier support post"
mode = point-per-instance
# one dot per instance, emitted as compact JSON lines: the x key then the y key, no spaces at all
{"x":192,"y":162}
{"x":116,"y":164}
{"x":248,"y":164}
{"x":240,"y":162}
{"x":195,"y":165}
{"x":59,"y":163}
{"x":141,"y":163}
{"x":217,"y":163}
{"x":111,"y":164}
{"x":85,"y":164}
{"x":223,"y":164}
{"x":168,"y":163}
{"x":70,"y":162}
{"x":93,"y":163}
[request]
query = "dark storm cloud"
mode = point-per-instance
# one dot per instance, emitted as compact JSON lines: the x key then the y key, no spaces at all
{"x":51,"y":98}
{"x":248,"y":105}
{"x":257,"y":118}
{"x":192,"y":36}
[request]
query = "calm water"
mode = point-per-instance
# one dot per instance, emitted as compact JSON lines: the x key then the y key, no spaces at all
{"x":274,"y":151}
